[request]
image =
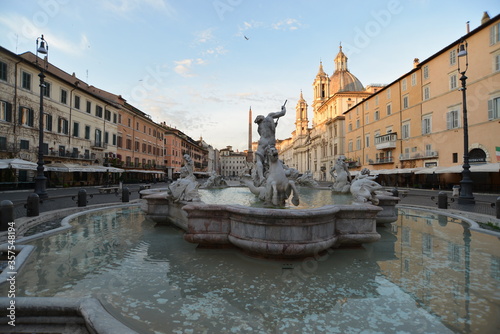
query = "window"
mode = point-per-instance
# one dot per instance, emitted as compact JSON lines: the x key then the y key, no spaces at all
{"x":428,"y":150}
{"x":26,"y":116}
{"x":367,"y":140}
{"x":413,"y":79}
{"x":114,"y":139}
{"x":5,"y":111}
{"x":494,"y":108}
{"x":405,"y":129}
{"x":376,"y":116}
{"x":427,"y":92}
{"x":3,"y":143}
{"x":48,"y":122}
{"x":426,"y":125}
{"x":46,"y":89}
{"x":357,"y":124}
{"x":349,"y":128}
{"x":403,"y":84}
{"x":76,"y":129}
{"x":453,"y":81}
{"x":388,"y":93}
{"x":137,"y":146}
{"x":129,"y":144}
{"x":349,"y":146}
{"x":389,"y":108}
{"x":77,"y":102}
{"x":3,"y":71}
{"x":63,"y":125}
{"x":64,"y":96}
{"x":495,"y":34}
{"x":426,"y":72}
{"x":452,"y":120}
{"x":87,"y":132}
{"x":455,"y":157}
{"x":89,"y":107}
{"x":358,"y":143}
{"x":98,"y":111}
{"x":453,"y":57}
{"x":115,"y":117}
{"x":107,"y":115}
{"x":24,"y":144}
{"x":26,"y":81}
{"x":98,"y":137}
{"x":119,"y":141}
{"x":406,"y":102}
{"x":143,"y":147}
{"x":106,"y":137}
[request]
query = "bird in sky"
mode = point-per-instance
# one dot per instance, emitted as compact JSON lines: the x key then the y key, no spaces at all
{"x":246,"y":37}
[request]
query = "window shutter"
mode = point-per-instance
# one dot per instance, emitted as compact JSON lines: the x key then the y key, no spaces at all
{"x":31,"y":117}
{"x":449,"y":120}
{"x":490,"y":109}
{"x":8,"y":112}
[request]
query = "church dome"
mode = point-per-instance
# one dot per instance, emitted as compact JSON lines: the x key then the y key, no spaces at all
{"x":342,"y":80}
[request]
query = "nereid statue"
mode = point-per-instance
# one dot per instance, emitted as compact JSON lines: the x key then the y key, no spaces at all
{"x":341,"y":175}
{"x":185,"y":188}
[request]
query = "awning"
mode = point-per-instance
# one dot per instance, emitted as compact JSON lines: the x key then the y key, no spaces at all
{"x":146,"y":171}
{"x":69,"y":168}
{"x":17,"y":164}
{"x":482,"y":168}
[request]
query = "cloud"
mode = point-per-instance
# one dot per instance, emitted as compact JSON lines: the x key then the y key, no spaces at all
{"x":287,"y":24}
{"x":204,"y":36}
{"x":184,"y":67}
{"x":125,"y":7}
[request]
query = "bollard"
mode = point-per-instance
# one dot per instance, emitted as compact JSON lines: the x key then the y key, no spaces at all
{"x":125,"y":195}
{"x":395,"y":192}
{"x":33,"y":205}
{"x":6,"y":214}
{"x":82,"y":197}
{"x":497,"y":206}
{"x":442,"y":200}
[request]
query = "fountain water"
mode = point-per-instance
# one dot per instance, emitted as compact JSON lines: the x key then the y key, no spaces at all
{"x":428,"y":273}
{"x":272,"y":231}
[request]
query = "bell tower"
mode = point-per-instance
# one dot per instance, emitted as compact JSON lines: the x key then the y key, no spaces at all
{"x":321,"y":87}
{"x":301,"y":121}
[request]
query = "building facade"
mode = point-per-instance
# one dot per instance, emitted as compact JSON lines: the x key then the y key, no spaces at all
{"x":314,"y":148}
{"x":233,"y":164}
{"x":90,"y":134}
{"x":414,"y":127}
{"x":410,"y":127}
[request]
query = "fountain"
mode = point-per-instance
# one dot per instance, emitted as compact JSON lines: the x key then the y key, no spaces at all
{"x":273,"y":230}
{"x":429,"y":272}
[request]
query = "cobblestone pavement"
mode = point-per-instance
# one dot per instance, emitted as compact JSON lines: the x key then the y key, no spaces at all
{"x":67,"y":197}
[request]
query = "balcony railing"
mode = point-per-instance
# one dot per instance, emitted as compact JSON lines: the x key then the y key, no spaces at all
{"x":417,"y":156}
{"x":387,"y":141}
{"x":98,"y":145}
{"x":380,"y":161}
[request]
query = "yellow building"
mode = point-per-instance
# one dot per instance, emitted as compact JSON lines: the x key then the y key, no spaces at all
{"x":412,"y":130}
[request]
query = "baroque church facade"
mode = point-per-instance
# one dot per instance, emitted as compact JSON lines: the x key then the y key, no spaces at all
{"x":315,"y":148}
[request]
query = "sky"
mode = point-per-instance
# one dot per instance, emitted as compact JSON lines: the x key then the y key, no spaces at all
{"x":200,"y":65}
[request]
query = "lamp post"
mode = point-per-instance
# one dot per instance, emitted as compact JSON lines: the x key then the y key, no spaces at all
{"x":40,"y":180}
{"x":466,"y":196}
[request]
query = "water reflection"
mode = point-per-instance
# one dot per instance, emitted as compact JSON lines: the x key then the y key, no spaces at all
{"x":424,"y":275}
{"x":309,"y":197}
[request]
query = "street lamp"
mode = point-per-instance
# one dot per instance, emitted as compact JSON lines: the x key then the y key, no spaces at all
{"x":40,"y":180}
{"x":466,"y":196}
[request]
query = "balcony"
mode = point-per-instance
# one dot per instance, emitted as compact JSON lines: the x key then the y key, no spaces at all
{"x":419,"y":156}
{"x":98,"y":145}
{"x":386,"y":142}
{"x":381,"y":161}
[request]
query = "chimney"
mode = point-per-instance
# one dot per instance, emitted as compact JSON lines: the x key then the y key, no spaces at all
{"x":416,"y":62}
{"x":467,"y":27}
{"x":485,"y":18}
